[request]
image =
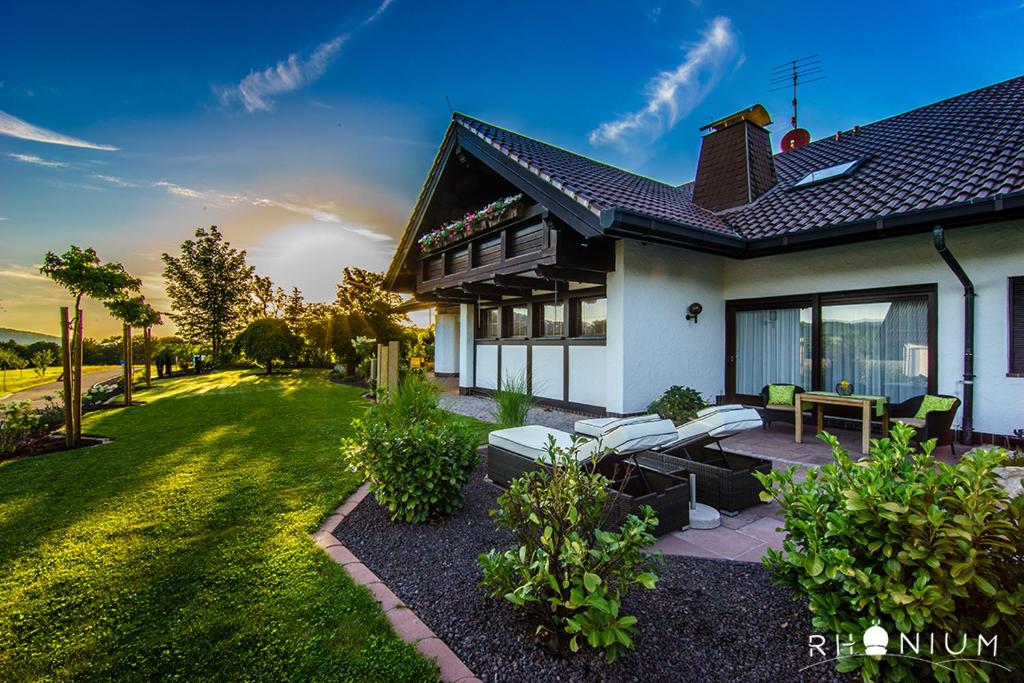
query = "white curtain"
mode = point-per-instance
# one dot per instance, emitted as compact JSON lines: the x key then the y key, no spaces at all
{"x":882,"y":348}
{"x":773,"y":347}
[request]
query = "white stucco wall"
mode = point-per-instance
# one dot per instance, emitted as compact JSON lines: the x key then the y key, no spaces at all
{"x":989,"y":254}
{"x":513,"y":361}
{"x":487,"y":366}
{"x":467,"y":348}
{"x":651,"y":345}
{"x":586,"y":379}
{"x":548,"y":372}
{"x":446,"y":343}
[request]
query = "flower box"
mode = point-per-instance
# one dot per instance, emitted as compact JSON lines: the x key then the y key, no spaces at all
{"x":473,"y":223}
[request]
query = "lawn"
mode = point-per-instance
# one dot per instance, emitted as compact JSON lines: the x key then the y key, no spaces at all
{"x":182,"y":549}
{"x":27,"y":378}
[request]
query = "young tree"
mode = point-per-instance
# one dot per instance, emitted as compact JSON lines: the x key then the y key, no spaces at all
{"x":362,"y":296}
{"x":82,"y":274}
{"x":8,"y":361}
{"x":210,"y":288}
{"x":42,"y":359}
{"x":294,"y":309}
{"x":268,"y":302}
{"x":132,"y":312}
{"x":267,"y":340}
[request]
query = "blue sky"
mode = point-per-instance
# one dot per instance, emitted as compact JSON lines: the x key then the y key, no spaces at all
{"x":305,"y":132}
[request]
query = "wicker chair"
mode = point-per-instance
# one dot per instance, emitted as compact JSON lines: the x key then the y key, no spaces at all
{"x":937,"y":424}
{"x":778,"y":413}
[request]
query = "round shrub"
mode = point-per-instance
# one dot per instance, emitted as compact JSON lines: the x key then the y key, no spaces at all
{"x":415,"y":456}
{"x":567,"y":573}
{"x":912,"y":545}
{"x":679,"y":404}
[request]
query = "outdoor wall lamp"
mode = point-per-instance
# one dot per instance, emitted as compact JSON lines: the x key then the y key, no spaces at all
{"x":693,"y":310}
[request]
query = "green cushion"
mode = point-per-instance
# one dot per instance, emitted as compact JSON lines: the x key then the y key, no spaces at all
{"x":930,"y":403}
{"x":781,"y":394}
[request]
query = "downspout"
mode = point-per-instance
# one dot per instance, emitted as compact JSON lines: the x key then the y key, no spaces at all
{"x":939,"y":237}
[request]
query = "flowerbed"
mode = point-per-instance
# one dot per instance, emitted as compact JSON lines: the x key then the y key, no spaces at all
{"x":470,"y":224}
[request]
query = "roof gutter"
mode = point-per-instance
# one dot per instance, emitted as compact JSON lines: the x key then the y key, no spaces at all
{"x":939,"y":238}
{"x":618,"y":222}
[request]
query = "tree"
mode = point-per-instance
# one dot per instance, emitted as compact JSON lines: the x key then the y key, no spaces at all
{"x":8,"y":361}
{"x":268,"y":302}
{"x":82,"y":274}
{"x":132,"y":312}
{"x":361,"y":295}
{"x":267,"y":340}
{"x":210,"y":288}
{"x":42,"y":359}
{"x":294,"y":309}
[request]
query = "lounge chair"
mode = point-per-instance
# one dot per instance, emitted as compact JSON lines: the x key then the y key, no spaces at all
{"x":936,"y":424}
{"x":599,"y":426}
{"x":517,"y":450}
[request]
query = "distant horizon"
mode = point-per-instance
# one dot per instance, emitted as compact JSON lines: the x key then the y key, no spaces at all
{"x":306,"y":133}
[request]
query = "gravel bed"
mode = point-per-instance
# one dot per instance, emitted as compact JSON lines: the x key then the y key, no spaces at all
{"x":708,"y":620}
{"x":483,"y":408}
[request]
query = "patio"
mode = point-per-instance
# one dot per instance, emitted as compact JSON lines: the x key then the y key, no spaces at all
{"x":744,"y":537}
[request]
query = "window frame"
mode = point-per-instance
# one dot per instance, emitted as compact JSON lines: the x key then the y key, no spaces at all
{"x":507,"y":321}
{"x":479,"y":322}
{"x":576,"y":317}
{"x":816,"y":302}
{"x":1014,"y":282}
{"x":538,"y":317}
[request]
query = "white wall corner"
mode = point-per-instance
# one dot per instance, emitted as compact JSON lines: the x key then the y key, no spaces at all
{"x":467,"y":348}
{"x":615,"y":334}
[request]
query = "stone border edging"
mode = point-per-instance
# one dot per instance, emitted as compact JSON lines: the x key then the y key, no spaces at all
{"x":403,"y":620}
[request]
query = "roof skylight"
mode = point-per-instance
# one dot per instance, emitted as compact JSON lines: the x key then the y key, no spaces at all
{"x":829,"y":173}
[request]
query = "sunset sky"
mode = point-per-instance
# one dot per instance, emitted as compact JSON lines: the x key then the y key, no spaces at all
{"x":305,"y":131}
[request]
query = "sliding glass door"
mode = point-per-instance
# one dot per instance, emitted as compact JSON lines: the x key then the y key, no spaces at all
{"x":880,"y":347}
{"x":773,"y":346}
{"x":882,"y":341}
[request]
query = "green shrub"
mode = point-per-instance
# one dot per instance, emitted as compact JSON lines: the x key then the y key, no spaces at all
{"x":908,"y":543}
{"x":513,"y":401}
{"x":679,"y":404}
{"x":21,"y":424}
{"x":566,"y":573}
{"x":415,"y":456}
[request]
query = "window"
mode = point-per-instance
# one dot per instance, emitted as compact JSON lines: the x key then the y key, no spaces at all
{"x":829,"y":173}
{"x":882,"y":341}
{"x":881,"y":347}
{"x":773,"y":346}
{"x":488,"y":326}
{"x":591,"y":317}
{"x":552,"y":320}
{"x":1017,"y":326}
{"x":517,"y":321}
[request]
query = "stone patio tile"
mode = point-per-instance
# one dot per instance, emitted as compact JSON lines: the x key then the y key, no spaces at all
{"x":452,"y":668}
{"x":764,"y":530}
{"x":408,"y":626}
{"x":742,"y":519}
{"x":721,"y":541}
{"x":671,"y":545}
{"x":752,"y":555}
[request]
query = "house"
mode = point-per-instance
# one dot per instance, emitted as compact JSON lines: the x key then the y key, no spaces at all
{"x":846,"y":258}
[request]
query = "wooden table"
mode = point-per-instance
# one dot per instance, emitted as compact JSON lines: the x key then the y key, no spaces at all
{"x":820,"y":400}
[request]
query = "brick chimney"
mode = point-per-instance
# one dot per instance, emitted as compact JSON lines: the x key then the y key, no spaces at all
{"x":736,"y":165}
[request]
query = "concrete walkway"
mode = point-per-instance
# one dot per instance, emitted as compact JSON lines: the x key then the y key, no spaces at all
{"x":37,"y":393}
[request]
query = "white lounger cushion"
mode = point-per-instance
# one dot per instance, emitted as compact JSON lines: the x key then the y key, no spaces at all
{"x":599,"y":426}
{"x":716,"y":424}
{"x":532,"y":441}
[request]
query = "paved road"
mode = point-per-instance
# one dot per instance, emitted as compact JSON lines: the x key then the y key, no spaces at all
{"x":36,"y":393}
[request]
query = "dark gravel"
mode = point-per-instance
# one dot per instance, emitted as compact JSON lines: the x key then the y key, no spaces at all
{"x":708,"y":620}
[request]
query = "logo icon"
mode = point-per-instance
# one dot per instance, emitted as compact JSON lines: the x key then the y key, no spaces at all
{"x":876,"y":640}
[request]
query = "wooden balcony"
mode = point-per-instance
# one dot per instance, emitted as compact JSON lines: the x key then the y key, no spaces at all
{"x":529,"y":241}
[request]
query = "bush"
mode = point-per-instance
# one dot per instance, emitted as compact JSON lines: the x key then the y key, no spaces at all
{"x":565,"y":572}
{"x":21,"y":425}
{"x":415,"y":456}
{"x":513,"y":401}
{"x":907,"y":543}
{"x":679,"y":404}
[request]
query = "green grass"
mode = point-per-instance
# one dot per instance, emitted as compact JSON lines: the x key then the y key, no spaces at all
{"x":27,"y":378}
{"x":182,"y":550}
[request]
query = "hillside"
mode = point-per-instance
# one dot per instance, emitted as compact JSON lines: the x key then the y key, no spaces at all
{"x":25,"y":338}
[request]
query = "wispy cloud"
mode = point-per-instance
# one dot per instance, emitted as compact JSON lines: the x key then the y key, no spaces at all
{"x":38,"y":161}
{"x":113,"y":180}
{"x":322,"y":212}
{"x":256,"y":92}
{"x":15,"y":271}
{"x":673,"y":94}
{"x":17,"y":128}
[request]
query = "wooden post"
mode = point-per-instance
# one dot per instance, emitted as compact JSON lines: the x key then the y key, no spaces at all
{"x":126,"y":347}
{"x":147,"y":343}
{"x":392,"y":370}
{"x":76,"y":407}
{"x":65,"y":345}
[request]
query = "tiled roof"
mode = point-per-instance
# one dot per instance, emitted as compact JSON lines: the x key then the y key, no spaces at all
{"x":593,"y":184}
{"x":965,"y":148}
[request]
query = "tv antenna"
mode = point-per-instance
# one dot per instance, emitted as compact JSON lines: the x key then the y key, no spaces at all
{"x":792,"y":74}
